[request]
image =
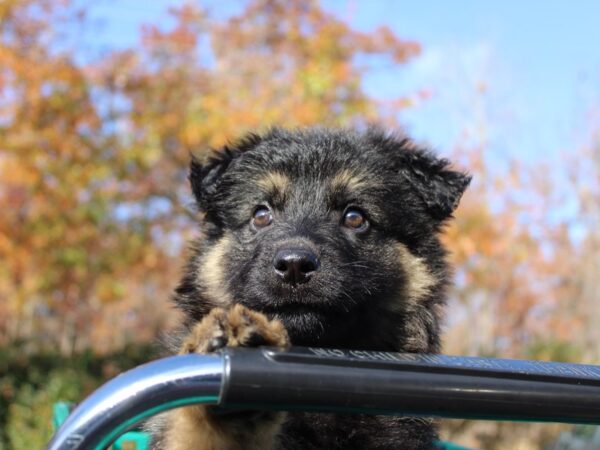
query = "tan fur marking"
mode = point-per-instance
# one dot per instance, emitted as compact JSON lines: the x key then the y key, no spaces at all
{"x":274,"y":182}
{"x":189,"y":429}
{"x":346,"y":179}
{"x":193,"y":428}
{"x":211,"y":273}
{"x":419,"y":280}
{"x":417,"y":337}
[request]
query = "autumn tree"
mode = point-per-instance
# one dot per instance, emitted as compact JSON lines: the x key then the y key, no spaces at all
{"x":575,"y":315}
{"x":93,"y":155}
{"x":96,"y":206}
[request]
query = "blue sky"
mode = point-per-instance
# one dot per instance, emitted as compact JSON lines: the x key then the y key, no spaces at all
{"x":539,"y":62}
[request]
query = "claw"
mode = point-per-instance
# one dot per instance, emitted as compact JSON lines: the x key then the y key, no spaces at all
{"x":216,"y":343}
{"x":255,"y":340}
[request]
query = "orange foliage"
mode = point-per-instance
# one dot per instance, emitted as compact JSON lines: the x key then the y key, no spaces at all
{"x":93,"y":162}
{"x":93,"y":157}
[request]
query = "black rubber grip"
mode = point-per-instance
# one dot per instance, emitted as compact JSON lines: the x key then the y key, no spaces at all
{"x":424,"y":385}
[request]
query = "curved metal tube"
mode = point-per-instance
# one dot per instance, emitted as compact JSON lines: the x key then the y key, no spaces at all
{"x":137,"y":394}
{"x":313,"y":379}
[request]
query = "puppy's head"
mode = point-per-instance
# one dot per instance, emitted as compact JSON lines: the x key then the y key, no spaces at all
{"x":332,"y":231}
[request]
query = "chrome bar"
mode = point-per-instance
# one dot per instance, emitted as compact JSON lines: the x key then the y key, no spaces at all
{"x":138,"y":394}
{"x":317,"y":379}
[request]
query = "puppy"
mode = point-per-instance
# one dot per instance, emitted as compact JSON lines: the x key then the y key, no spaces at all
{"x":315,"y":237}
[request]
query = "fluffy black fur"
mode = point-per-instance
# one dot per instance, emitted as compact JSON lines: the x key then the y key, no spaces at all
{"x":364,"y":296}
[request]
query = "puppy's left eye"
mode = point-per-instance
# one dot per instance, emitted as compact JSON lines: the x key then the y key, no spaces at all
{"x":262,"y":217}
{"x":355,"y":220}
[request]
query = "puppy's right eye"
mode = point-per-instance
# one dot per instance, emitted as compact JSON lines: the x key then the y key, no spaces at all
{"x":262,"y":217}
{"x":355,"y":220}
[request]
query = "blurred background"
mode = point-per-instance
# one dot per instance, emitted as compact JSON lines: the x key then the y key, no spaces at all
{"x":102,"y":102}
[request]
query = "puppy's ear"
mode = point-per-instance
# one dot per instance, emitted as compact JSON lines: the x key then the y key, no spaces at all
{"x":205,"y":177}
{"x":439,"y":187}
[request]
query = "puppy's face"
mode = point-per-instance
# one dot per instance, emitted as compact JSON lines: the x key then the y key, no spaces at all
{"x":326,"y":230}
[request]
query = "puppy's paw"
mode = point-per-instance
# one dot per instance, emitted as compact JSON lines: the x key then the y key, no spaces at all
{"x":207,"y":428}
{"x":235,"y":327}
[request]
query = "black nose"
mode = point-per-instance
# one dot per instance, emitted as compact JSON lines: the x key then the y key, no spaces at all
{"x":295,"y":266}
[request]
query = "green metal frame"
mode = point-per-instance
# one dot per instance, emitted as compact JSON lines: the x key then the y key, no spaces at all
{"x":138,"y":440}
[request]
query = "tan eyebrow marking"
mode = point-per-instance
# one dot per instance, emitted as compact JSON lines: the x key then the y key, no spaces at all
{"x":275,"y":184}
{"x":346,"y":179}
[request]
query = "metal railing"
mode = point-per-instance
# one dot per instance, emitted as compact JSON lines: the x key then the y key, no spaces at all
{"x":315,"y":379}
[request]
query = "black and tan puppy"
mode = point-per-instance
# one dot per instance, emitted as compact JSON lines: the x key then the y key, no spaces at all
{"x":317,"y":237}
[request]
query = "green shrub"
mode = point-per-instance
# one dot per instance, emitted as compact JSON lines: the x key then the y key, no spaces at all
{"x":31,"y":384}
